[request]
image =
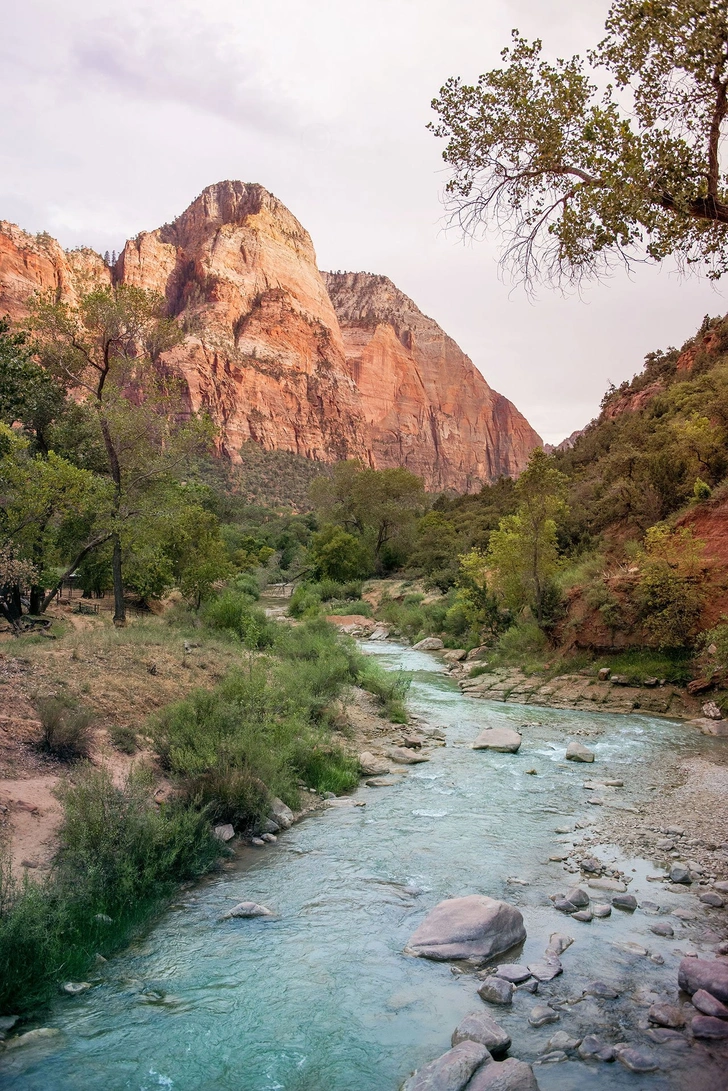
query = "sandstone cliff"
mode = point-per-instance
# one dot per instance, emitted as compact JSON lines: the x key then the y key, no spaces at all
{"x":327,"y":366}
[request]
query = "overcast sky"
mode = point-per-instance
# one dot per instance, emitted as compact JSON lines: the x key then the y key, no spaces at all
{"x":116,"y":115}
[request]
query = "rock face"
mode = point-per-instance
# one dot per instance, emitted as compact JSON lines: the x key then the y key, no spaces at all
{"x":427,"y":406}
{"x":471,"y":927}
{"x":272,"y":359}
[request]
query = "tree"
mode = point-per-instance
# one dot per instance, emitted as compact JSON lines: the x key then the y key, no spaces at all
{"x":104,"y":349}
{"x":670,"y":590}
{"x":338,"y":555}
{"x":436,"y":550}
{"x":28,"y":393}
{"x":578,"y":179}
{"x":523,"y":552}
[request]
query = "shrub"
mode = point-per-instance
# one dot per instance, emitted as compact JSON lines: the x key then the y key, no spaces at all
{"x":233,"y":613}
{"x":66,"y":728}
{"x":246,"y":584}
{"x":124,"y":738}
{"x":390,"y":690}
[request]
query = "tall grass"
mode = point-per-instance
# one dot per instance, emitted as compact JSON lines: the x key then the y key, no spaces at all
{"x":389,"y":688}
{"x":119,"y":857}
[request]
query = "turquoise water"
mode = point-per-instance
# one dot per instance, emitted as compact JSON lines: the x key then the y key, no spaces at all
{"x":321,"y":998}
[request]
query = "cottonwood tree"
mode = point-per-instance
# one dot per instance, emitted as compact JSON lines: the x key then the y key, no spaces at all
{"x":104,"y":350}
{"x":578,"y":178}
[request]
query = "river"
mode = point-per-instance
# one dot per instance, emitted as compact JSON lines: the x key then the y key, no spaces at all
{"x":321,"y":998}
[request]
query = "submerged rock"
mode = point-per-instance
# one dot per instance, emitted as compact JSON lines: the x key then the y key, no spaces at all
{"x":501,"y":739}
{"x":496,"y":990}
{"x":479,"y":1026}
{"x":543,"y":1014}
{"x":594,"y":1049}
{"x":245,"y":910}
{"x":471,"y":927}
{"x":452,"y":1071}
{"x":666,"y":1015}
{"x":514,"y":973}
{"x":546,"y":969}
{"x":575,"y":751}
{"x":697,"y":973}
{"x":636,"y":1060}
{"x":706,"y":1026}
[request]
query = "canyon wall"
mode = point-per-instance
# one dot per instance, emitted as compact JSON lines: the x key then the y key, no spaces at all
{"x":327,"y":366}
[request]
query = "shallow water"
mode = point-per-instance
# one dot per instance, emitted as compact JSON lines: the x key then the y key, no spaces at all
{"x":322,"y":997}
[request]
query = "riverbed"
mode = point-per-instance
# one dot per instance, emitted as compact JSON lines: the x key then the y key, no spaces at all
{"x":321,"y":997}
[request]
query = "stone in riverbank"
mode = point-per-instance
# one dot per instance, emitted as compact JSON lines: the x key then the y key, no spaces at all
{"x":496,"y":990}
{"x":575,"y":751}
{"x":403,"y":756}
{"x":697,"y":973}
{"x":705,"y":1026}
{"x":429,"y":644}
{"x":450,"y":1072}
{"x":281,"y":814}
{"x":509,"y":1075}
{"x":481,"y":1027}
{"x":708,"y":1005}
{"x":372,"y":766}
{"x":471,"y":927}
{"x":501,"y":739}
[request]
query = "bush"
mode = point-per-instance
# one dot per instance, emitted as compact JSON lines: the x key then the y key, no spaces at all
{"x":66,"y":728}
{"x":390,"y":690}
{"x":524,"y":644}
{"x":233,"y":613}
{"x":246,"y":584}
{"x":124,"y":738}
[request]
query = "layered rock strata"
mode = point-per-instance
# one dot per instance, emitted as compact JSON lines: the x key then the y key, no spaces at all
{"x":327,"y":366}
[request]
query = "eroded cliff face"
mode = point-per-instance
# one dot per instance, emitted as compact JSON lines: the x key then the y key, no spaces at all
{"x":427,"y":406}
{"x":327,"y":366}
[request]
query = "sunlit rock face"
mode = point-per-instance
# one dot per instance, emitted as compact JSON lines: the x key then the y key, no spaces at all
{"x":327,"y":366}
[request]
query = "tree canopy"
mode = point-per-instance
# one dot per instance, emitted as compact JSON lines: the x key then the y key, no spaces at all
{"x":579,"y":173}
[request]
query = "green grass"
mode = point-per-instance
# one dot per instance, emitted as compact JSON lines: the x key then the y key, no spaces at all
{"x":637,"y":665}
{"x":119,"y":857}
{"x":389,"y":688}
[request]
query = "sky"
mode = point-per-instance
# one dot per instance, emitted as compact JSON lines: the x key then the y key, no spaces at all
{"x":117,"y":114}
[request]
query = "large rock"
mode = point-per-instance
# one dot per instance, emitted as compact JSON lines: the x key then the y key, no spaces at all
{"x":496,"y":990}
{"x":509,"y":1075}
{"x":404,"y":756}
{"x":706,"y":1003}
{"x":479,"y":1026}
{"x":451,"y":1071}
{"x":576,"y":752}
{"x":247,"y":910}
{"x":706,"y":1026}
{"x":502,"y":739}
{"x":429,"y":644}
{"x":282,"y":814}
{"x":698,"y":973}
{"x":371,"y":766}
{"x":471,"y":927}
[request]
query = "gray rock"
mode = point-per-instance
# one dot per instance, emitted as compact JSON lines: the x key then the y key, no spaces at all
{"x":594,"y":1049}
{"x":712,"y":898}
{"x":664,"y":1036}
{"x":224,"y":832}
{"x":381,"y":782}
{"x":680,"y":874}
{"x":636,"y":1060}
{"x":591,"y":865}
{"x":511,"y":972}
{"x":564,"y":905}
{"x":666,"y":1015}
{"x":508,"y":1075}
{"x":372,"y":766}
{"x":501,"y":739}
{"x":583,"y":915}
{"x":530,"y":986}
{"x":543,"y":1014}
{"x":451,"y":1071}
{"x":600,"y":910}
{"x":708,"y":1005}
{"x":722,"y":886}
{"x":578,"y":897}
{"x":606,"y":884}
{"x":705,"y":1026}
{"x":269,"y":826}
{"x":698,"y":973}
{"x":558,"y":943}
{"x":546,"y":969}
{"x":429,"y":644}
{"x":665,"y":845}
{"x":628,"y":902}
{"x":471,"y":927}
{"x":75,"y":988}
{"x":562,"y":1040}
{"x":269,"y":838}
{"x":554,"y":1057}
{"x":479,"y":1026}
{"x":662,"y":928}
{"x":575,"y":751}
{"x":281,"y":814}
{"x":246,"y":910}
{"x":7,"y":1022}
{"x":39,"y":1036}
{"x":403,"y":756}
{"x":496,"y":990}
{"x":601,"y":991}
{"x":258,"y":842}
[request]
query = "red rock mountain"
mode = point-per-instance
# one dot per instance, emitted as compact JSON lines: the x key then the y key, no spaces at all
{"x":324,"y":365}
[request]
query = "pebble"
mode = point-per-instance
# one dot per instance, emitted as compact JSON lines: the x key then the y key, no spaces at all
{"x":713,"y":899}
{"x":269,"y":837}
{"x":75,"y":988}
{"x":257,"y":841}
{"x":666,"y":1015}
{"x":583,"y":915}
{"x":601,"y":991}
{"x":541,"y":1015}
{"x":636,"y":1060}
{"x":628,"y":902}
{"x":662,"y":928}
{"x":679,"y":874}
{"x":562,"y":1040}
{"x":600,"y":910}
{"x":593,"y":1049}
{"x":546,"y":969}
{"x":496,"y":990}
{"x":578,"y":897}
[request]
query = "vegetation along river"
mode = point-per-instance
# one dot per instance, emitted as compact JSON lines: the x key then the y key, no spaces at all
{"x":322,"y":998}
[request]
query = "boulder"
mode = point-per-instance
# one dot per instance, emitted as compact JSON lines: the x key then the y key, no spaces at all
{"x":451,"y":1071}
{"x":708,"y":1005}
{"x":403,"y":756}
{"x":705,"y":1026}
{"x":471,"y":927}
{"x":429,"y":644}
{"x":371,"y":766}
{"x":666,"y":1015}
{"x":628,"y":902}
{"x":698,"y":973}
{"x":501,"y":739}
{"x":496,"y":990}
{"x":509,"y":1075}
{"x":245,"y":910}
{"x":578,"y":897}
{"x":455,"y":655}
{"x":680,"y":874}
{"x":281,"y":814}
{"x":576,"y":752}
{"x":711,"y":897}
{"x":636,"y":1060}
{"x":224,"y":832}
{"x":481,"y":1027}
{"x":663,"y":928}
{"x":511,"y":972}
{"x":547,"y":968}
{"x":543,"y":1014}
{"x":594,"y":1049}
